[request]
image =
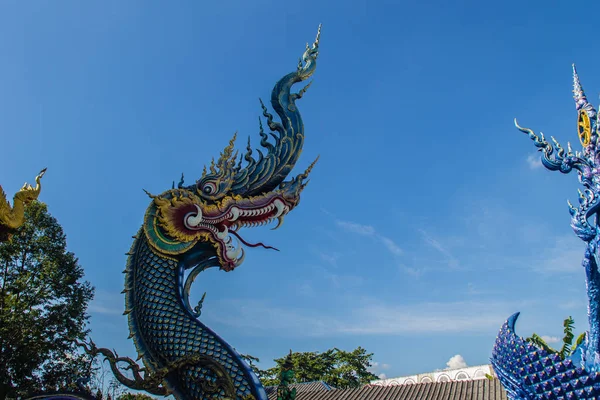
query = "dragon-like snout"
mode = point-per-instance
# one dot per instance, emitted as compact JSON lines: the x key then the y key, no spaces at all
{"x":184,"y":216}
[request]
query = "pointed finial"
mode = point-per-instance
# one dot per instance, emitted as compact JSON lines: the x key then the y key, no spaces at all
{"x":581,"y":101}
{"x":318,"y":35}
{"x":578,"y":94}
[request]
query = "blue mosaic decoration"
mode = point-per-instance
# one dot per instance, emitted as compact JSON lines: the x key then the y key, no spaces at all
{"x":192,"y":228}
{"x":526,"y":371}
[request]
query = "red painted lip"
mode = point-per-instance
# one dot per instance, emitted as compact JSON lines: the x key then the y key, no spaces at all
{"x":252,"y":212}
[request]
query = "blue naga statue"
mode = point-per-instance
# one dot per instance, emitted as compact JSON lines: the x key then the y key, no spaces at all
{"x":191,"y":228}
{"x":525,"y":370}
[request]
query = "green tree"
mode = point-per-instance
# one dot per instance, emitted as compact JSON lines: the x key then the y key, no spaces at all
{"x":338,"y":368}
{"x":566,"y":349}
{"x":43,"y":303}
{"x":135,"y":396}
{"x":251,"y":363}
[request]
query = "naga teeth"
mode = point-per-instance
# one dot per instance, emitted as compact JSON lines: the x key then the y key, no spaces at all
{"x":589,"y":195}
{"x":235,"y":214}
{"x":572,"y":209}
{"x":279,"y":222}
{"x":241,"y":258}
{"x":233,"y":253}
{"x":192,"y":219}
{"x":280,"y":208}
{"x":223,"y":235}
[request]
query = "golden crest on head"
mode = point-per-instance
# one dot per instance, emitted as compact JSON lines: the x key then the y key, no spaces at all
{"x":584,"y":128}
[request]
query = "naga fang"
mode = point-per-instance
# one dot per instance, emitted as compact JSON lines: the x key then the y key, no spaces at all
{"x":191,"y":228}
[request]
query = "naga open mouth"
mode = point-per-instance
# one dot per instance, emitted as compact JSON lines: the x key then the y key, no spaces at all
{"x":227,"y":224}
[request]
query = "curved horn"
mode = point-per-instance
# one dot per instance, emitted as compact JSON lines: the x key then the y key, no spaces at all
{"x":270,"y":170}
{"x":581,"y":101}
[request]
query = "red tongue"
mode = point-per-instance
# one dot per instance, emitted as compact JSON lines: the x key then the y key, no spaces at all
{"x":250,"y":244}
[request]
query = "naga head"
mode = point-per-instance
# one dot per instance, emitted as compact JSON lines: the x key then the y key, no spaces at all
{"x":12,"y":218}
{"x":28,"y":193}
{"x":585,"y":162}
{"x":238,"y":192}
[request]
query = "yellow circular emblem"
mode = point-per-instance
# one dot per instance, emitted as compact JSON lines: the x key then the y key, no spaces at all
{"x":584,"y":128}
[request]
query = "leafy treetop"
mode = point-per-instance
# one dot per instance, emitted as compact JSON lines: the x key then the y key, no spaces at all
{"x":338,"y":368}
{"x":43,"y":304}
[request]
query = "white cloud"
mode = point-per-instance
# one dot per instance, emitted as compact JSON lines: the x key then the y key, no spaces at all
{"x":330,"y":258}
{"x":306,"y":289}
{"x":456,"y":362}
{"x":353,"y":227}
{"x":376,"y":369}
{"x":474,"y":290}
{"x":344,"y":281}
{"x":376,"y":366}
{"x":391,"y":245}
{"x":368,"y":230}
{"x":367,"y":318}
{"x":564,"y":256}
{"x":107,"y":303}
{"x":415,"y":272}
{"x":572,"y":304}
{"x":533,"y":160}
{"x":425,"y":318}
{"x":551,"y":339}
{"x":450,"y":259}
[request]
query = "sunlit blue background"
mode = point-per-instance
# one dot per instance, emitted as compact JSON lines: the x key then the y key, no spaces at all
{"x":428,"y":219}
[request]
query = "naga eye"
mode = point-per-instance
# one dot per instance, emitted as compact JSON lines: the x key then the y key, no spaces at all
{"x":209,"y":188}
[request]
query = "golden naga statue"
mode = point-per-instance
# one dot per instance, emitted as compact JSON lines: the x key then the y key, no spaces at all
{"x":13,"y":217}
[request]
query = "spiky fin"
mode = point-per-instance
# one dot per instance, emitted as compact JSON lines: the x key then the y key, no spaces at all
{"x":226,"y":156}
{"x":149,"y":194}
{"x":248,"y":155}
{"x":310,"y":167}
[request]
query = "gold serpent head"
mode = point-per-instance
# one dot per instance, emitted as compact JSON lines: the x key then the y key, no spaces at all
{"x":12,"y":218}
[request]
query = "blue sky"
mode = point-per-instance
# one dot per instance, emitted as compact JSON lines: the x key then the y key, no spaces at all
{"x":428,"y":219}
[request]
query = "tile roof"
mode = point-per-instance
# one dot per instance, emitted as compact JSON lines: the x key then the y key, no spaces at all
{"x":301,"y":388}
{"x":483,"y":389}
